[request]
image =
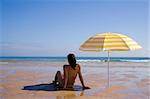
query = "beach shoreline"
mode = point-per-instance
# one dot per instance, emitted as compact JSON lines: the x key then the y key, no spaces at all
{"x":127,"y":80}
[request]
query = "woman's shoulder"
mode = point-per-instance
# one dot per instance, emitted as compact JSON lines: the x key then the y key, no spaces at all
{"x":78,"y":65}
{"x":66,"y":65}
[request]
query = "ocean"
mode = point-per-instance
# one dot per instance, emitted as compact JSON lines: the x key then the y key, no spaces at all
{"x":79,"y":59}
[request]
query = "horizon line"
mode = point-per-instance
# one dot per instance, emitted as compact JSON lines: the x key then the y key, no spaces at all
{"x":78,"y":56}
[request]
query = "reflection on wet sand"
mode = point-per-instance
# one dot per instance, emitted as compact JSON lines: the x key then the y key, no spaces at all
{"x":127,"y":82}
{"x":70,"y":95}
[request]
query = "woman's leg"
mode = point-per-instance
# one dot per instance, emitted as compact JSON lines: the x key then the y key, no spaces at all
{"x":59,"y":78}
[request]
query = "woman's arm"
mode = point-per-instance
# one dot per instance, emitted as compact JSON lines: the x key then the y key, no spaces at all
{"x":65,"y":76}
{"x":81,"y":79}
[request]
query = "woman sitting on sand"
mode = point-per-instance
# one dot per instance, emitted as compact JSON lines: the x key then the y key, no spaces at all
{"x":70,"y":73}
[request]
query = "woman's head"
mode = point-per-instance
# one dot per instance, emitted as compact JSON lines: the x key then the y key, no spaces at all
{"x":72,"y":60}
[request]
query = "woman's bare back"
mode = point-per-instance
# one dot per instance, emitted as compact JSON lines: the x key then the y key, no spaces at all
{"x":71,"y":74}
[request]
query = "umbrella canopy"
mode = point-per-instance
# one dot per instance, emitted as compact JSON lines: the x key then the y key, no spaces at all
{"x":109,"y":42}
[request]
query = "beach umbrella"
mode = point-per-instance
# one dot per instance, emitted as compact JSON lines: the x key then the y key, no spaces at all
{"x":109,"y":42}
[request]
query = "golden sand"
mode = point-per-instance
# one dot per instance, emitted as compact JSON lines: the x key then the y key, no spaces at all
{"x":125,"y":83}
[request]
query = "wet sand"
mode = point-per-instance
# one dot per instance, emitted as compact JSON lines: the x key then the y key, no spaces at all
{"x":128,"y":80}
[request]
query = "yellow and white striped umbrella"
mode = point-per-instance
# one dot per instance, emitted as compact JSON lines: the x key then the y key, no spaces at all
{"x":109,"y":42}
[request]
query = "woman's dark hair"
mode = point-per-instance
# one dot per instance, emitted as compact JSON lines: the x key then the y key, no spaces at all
{"x":72,"y":60}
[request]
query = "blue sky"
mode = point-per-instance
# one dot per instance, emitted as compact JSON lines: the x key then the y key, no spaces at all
{"x":58,"y":27}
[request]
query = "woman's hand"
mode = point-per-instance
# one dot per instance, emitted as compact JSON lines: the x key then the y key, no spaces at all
{"x":64,"y":87}
{"x":85,"y":87}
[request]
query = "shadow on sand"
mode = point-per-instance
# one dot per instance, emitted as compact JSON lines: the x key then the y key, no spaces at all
{"x":50,"y":87}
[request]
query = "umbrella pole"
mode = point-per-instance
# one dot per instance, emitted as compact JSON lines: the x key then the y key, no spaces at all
{"x":108,"y":67}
